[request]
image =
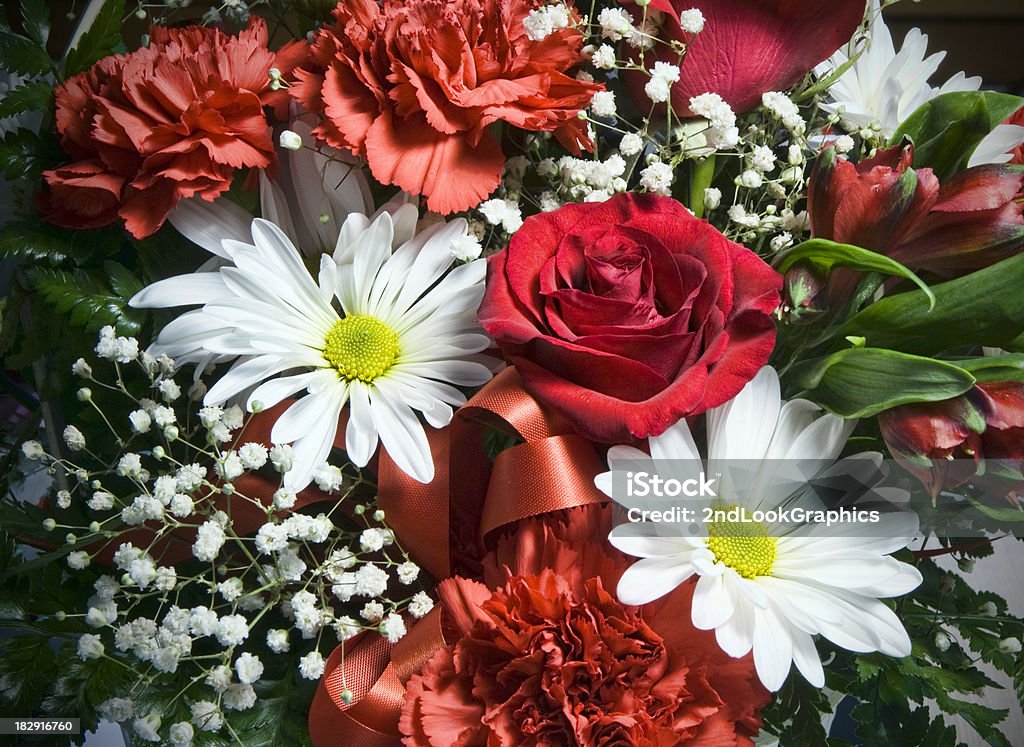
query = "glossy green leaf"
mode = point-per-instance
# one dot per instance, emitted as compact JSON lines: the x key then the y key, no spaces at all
{"x":861,"y":382}
{"x":101,"y":40}
{"x":824,"y":255}
{"x":983,"y":308}
{"x":946,"y":130}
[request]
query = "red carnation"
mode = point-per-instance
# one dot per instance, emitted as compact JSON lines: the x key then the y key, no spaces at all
{"x":749,"y":48}
{"x":945,"y":444}
{"x":625,"y":316}
{"x":968,"y":222}
{"x":168,"y":121}
{"x":551,"y":657}
{"x":411,"y":86}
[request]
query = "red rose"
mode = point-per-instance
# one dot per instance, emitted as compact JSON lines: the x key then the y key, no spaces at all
{"x":550,"y":657}
{"x":625,"y":316}
{"x":412,"y":86}
{"x":168,"y":121}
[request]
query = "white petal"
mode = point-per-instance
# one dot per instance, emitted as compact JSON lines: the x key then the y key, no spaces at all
{"x":183,"y":290}
{"x":403,"y":438}
{"x":270,"y":393}
{"x":773,"y":649}
{"x":713,"y":603}
{"x":243,"y":375}
{"x":650,"y":579}
{"x":208,"y":224}
{"x":314,"y":445}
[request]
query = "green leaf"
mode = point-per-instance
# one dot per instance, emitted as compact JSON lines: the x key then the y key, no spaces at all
{"x":861,"y":382}
{"x":983,"y":308}
{"x":101,"y":40}
{"x":35,"y":17}
{"x":703,"y":173}
{"x":19,"y":54}
{"x":23,"y":153}
{"x":35,"y":95}
{"x":86,"y":299}
{"x":122,"y":281}
{"x":824,"y":255}
{"x":26,"y":669}
{"x":21,"y":240}
{"x":994,"y":368}
{"x":1011,"y":515}
{"x":946,"y":130}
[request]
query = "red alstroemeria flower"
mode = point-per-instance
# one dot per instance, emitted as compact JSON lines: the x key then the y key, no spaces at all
{"x":168,"y":121}
{"x":749,"y":48}
{"x":413,"y":85}
{"x":944,"y":444}
{"x":951,"y":229}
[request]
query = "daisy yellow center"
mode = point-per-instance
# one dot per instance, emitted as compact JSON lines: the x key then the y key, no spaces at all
{"x":361,"y":347}
{"x":746,"y":547}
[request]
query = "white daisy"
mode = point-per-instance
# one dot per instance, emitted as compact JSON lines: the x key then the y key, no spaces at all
{"x":884,"y":87}
{"x":758,"y":586}
{"x":405,"y":334}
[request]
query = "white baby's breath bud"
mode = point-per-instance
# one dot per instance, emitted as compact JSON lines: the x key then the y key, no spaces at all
{"x":253,"y":455}
{"x":311,"y":666}
{"x":393,"y":628}
{"x":181,"y":734}
{"x":1010,"y":646}
{"x":95,"y":617}
{"x":712,"y":198}
{"x":603,"y":57}
{"x":207,"y":715}
{"x":691,"y":21}
{"x":372,"y":612}
{"x":631,"y":144}
{"x":78,"y":560}
{"x":49,"y":524}
{"x":63,"y":499}
{"x":792,"y":175}
{"x":148,"y":728}
{"x":169,"y":390}
{"x":602,"y":104}
{"x":282,"y":456}
{"x":421,"y":604}
{"x":989,"y":609}
{"x":277,"y":641}
{"x":81,"y":368}
{"x":84,"y":394}
{"x":657,"y":178}
{"x":117,"y":709}
{"x":942,"y":641}
{"x":249,"y":668}
{"x":140,"y":420}
{"x":750,"y":179}
{"x":33,"y":450}
{"x":290,"y":140}
{"x":284,"y":499}
{"x":90,"y":647}
{"x":615,"y":23}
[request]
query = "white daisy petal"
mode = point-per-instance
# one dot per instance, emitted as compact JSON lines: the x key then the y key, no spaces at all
{"x":650,"y":579}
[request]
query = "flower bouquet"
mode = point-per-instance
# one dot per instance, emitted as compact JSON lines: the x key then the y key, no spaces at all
{"x":506,"y":372}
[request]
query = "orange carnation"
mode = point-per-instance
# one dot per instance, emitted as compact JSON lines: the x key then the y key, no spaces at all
{"x":171,"y":120}
{"x":412,"y":87}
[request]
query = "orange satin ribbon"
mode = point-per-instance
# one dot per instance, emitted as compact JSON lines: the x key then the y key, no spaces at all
{"x":444,"y":525}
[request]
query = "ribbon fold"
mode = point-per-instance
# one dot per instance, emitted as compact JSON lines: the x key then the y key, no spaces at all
{"x":445,"y":526}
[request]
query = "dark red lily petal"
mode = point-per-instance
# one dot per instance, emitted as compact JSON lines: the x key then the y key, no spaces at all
{"x":748,"y":48}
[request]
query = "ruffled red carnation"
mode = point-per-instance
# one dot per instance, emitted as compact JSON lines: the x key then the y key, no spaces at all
{"x":412,"y":87}
{"x":550,"y":657}
{"x":171,"y":120}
